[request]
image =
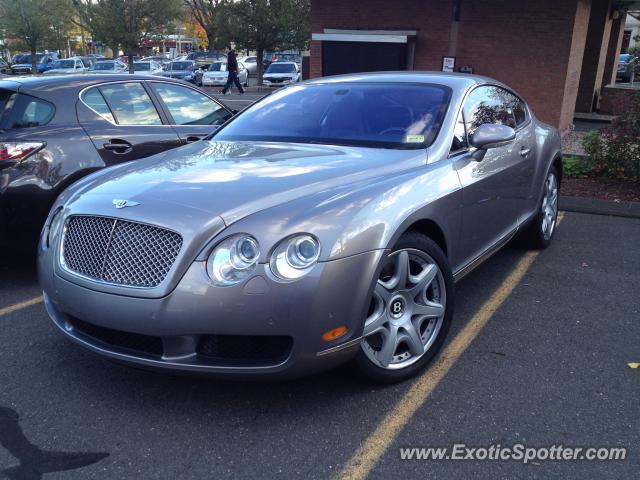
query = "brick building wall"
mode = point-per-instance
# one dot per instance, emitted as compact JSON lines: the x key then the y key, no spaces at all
{"x":431,"y":20}
{"x":535,"y":47}
{"x":616,"y":98}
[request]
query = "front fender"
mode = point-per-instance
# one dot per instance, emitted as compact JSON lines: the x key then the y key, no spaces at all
{"x":362,"y":217}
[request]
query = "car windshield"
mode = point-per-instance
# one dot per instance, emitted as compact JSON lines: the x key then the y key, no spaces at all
{"x":281,"y":68}
{"x":64,"y":64}
{"x":27,"y":58}
{"x":625,"y":57}
{"x":142,"y":67}
{"x":398,"y":115}
{"x":218,"y":67}
{"x":180,"y":66}
{"x":103,"y":66}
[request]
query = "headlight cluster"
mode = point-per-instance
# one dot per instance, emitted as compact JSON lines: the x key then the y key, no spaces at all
{"x":295,"y":257}
{"x":235,"y":258}
{"x":53,"y":226}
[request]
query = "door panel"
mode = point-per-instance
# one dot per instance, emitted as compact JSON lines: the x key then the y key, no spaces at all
{"x":490,"y":202}
{"x":102,"y":111}
{"x":495,"y":188}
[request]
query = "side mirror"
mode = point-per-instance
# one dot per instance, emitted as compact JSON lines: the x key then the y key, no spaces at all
{"x":490,"y":135}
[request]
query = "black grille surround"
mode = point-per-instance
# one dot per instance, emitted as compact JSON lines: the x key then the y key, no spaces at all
{"x":215,"y":350}
{"x":119,"y":252}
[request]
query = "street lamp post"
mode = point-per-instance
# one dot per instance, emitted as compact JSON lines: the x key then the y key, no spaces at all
{"x":179,"y":31}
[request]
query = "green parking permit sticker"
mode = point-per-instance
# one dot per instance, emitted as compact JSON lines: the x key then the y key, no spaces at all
{"x":414,"y":139}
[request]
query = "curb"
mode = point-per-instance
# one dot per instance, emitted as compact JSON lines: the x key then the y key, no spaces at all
{"x":600,"y":207}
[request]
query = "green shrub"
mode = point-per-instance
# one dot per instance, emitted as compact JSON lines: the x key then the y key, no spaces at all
{"x":576,"y":167}
{"x":615,"y":151}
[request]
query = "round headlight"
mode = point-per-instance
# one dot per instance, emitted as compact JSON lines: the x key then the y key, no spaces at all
{"x":233,"y":259}
{"x":294,"y":257}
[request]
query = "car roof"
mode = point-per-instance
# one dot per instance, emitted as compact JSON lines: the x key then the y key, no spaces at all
{"x":46,"y":83}
{"x":459,"y":80}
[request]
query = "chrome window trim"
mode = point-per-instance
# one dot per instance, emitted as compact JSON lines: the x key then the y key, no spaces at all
{"x":154,"y":106}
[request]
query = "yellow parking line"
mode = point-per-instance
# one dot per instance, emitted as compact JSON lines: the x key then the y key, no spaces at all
{"x":18,"y":306}
{"x":379,"y":441}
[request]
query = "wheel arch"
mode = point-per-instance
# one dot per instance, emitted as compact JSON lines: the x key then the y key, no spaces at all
{"x":432,"y":230}
{"x":557,"y":162}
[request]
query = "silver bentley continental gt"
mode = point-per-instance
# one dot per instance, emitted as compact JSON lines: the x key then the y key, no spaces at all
{"x":326,"y":223}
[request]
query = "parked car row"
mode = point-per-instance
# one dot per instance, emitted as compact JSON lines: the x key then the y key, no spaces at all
{"x":22,"y":63}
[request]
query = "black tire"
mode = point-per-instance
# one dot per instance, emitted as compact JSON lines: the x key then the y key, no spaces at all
{"x":532,"y":235}
{"x":364,"y":365}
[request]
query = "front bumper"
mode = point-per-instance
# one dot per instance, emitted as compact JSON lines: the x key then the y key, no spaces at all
{"x":276,"y":84}
{"x":172,"y":332}
{"x":214,"y":81}
{"x":20,"y":70}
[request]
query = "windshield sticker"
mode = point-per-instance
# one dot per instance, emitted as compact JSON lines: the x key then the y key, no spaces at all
{"x":414,"y":139}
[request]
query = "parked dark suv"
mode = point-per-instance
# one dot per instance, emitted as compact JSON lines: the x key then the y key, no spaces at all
{"x":54,"y":130}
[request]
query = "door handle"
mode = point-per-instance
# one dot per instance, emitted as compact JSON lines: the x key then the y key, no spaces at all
{"x":119,"y":147}
{"x":195,"y":138}
{"x":524,"y":151}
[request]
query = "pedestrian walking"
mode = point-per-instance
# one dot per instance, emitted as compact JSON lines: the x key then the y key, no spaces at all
{"x":232,"y":69}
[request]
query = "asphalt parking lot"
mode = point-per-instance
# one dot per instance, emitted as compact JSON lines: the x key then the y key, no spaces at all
{"x":537,"y":355}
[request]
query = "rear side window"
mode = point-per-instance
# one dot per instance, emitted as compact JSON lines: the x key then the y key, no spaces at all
{"x":5,"y":97}
{"x":127,"y":104}
{"x":96,"y":102}
{"x":519,"y":110}
{"x":18,"y":110}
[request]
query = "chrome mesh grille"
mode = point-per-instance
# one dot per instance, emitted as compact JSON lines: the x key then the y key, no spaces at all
{"x":118,"y":251}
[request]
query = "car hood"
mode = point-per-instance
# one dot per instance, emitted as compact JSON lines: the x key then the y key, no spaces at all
{"x":235,"y":179}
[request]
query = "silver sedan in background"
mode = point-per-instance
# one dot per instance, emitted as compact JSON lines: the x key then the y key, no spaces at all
{"x":326,"y":223}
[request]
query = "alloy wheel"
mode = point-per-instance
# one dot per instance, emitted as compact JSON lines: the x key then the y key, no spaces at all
{"x":549,"y":206}
{"x":406,"y":312}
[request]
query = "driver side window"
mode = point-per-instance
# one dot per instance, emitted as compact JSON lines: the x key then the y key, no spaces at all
{"x":488,"y":104}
